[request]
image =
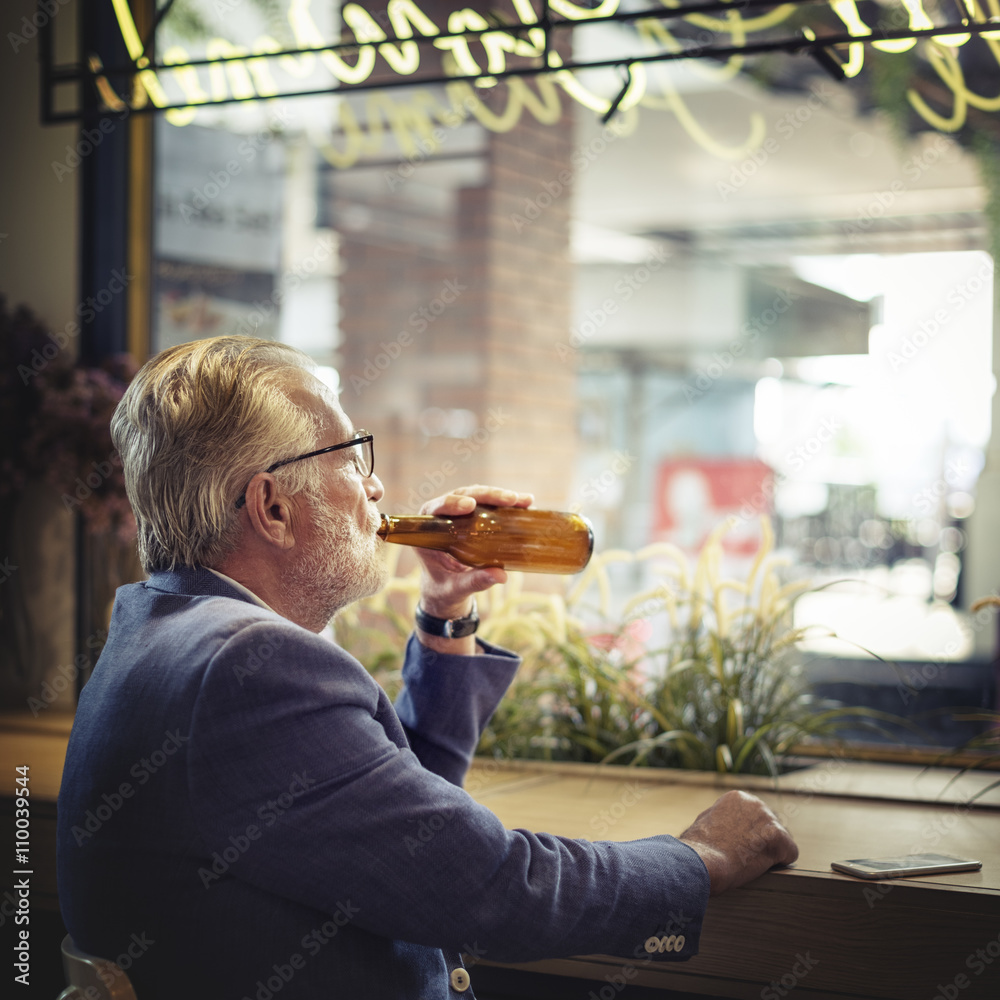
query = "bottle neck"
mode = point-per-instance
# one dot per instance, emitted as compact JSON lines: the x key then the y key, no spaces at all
{"x":427,"y":531}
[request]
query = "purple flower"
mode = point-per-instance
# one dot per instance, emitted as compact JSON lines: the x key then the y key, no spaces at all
{"x":58,"y":418}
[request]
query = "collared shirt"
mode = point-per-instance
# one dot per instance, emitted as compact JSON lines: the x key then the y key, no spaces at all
{"x":326,"y":633}
{"x":246,"y":591}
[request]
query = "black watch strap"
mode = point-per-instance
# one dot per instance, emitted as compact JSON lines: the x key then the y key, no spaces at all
{"x":448,"y":628}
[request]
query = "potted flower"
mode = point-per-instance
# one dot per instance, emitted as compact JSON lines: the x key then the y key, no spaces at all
{"x":61,"y":493}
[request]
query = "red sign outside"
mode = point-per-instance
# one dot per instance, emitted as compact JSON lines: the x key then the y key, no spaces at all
{"x":693,"y":496}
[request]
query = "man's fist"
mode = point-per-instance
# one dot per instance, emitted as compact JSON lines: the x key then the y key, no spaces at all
{"x":739,"y":838}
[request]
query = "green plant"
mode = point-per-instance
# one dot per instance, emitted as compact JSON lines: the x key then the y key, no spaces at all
{"x":726,"y":691}
{"x":578,"y":700}
{"x":984,"y":747}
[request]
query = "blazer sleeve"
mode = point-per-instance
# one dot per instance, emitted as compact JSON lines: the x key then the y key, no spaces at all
{"x":447,"y":701}
{"x":293,"y":762}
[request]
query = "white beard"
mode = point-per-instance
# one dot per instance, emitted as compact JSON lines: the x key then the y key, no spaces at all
{"x":346,"y":565}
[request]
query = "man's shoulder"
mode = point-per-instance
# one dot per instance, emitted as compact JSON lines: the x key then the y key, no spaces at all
{"x":179,"y":598}
{"x":185,"y":618}
{"x":171,"y":639}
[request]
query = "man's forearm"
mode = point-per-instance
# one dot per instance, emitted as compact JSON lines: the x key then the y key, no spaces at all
{"x":447,"y":701}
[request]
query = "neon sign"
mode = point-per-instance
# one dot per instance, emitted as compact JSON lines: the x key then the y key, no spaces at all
{"x":234,"y":72}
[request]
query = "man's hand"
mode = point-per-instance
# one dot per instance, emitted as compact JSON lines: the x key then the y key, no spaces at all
{"x":739,"y":838}
{"x":446,"y":585}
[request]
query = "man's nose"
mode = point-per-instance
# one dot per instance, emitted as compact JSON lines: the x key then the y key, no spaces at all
{"x":374,"y":488}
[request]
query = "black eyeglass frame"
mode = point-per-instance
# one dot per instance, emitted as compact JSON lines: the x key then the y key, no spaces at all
{"x":362,"y":437}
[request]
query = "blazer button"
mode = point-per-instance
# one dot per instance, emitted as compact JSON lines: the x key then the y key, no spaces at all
{"x":460,"y":980}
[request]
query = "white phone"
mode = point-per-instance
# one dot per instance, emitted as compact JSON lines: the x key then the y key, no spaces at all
{"x":905,"y":864}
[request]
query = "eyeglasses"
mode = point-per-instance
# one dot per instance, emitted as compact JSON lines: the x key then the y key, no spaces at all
{"x":363,"y":457}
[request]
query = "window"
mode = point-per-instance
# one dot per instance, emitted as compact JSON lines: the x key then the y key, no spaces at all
{"x":741,"y":293}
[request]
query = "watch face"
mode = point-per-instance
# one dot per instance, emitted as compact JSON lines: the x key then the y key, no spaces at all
{"x":461,"y":627}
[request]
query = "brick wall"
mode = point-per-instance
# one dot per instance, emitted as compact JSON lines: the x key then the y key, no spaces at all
{"x":474,"y":326}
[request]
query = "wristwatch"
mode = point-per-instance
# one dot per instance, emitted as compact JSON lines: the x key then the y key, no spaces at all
{"x":448,"y":628}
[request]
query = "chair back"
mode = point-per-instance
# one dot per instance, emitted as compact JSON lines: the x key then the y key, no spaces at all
{"x":92,"y":977}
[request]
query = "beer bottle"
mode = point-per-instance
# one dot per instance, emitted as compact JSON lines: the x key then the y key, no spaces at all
{"x":516,"y":538}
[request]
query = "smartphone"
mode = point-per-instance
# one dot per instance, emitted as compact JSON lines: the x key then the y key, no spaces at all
{"x":905,"y":864}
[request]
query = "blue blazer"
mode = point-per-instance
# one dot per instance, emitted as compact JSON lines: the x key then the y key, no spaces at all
{"x":244,"y":814}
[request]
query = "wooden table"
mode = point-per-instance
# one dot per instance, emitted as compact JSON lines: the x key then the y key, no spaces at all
{"x":805,"y":931}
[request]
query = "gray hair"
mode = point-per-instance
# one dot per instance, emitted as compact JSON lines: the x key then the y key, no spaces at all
{"x":195,"y":425}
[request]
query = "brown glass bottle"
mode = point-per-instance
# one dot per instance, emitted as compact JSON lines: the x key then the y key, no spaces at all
{"x":517,"y":538}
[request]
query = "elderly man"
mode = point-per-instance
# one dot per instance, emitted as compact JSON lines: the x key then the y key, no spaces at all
{"x":243,"y":813}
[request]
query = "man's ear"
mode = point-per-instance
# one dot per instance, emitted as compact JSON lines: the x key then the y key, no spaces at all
{"x":269,"y":511}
